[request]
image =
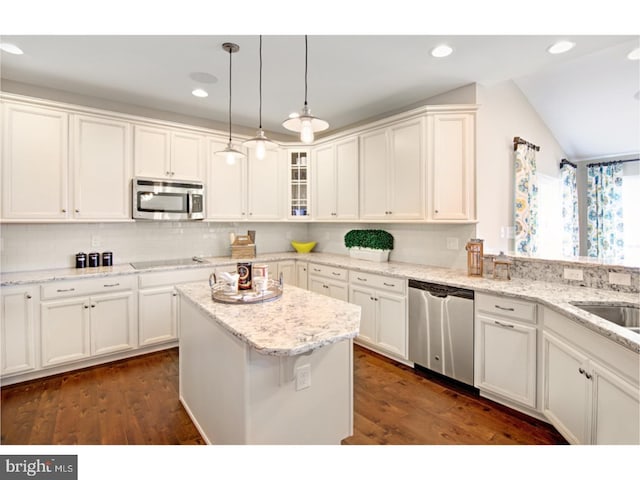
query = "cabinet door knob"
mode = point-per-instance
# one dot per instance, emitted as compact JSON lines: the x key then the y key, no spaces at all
{"x":28,"y":297}
{"x":93,"y":305}
{"x":77,"y":210}
{"x":64,"y":210}
{"x":86,"y":306}
{"x":435,"y":211}
{"x":167,"y":173}
{"x":581,"y":371}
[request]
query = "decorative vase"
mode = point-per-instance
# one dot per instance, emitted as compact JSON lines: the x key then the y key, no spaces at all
{"x":370,"y":254}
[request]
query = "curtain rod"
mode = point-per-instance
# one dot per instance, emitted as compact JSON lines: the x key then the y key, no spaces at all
{"x":564,"y":161}
{"x":521,"y":141}
{"x":603,"y":164}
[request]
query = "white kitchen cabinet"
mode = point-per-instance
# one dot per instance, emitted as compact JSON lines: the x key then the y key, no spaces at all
{"x":168,"y":153}
{"x":302,"y":274}
{"x":158,"y":314}
{"x":392,"y":167}
{"x":34,"y":162}
{"x":61,"y":166}
{"x":287,"y":268}
{"x":329,"y":281}
{"x":101,"y":159}
{"x":17,"y":330}
{"x":78,"y":320}
{"x":506,"y":348}
{"x":64,"y":330}
{"x":249,"y":189}
{"x":591,"y":391}
{"x":383,"y":321}
{"x":451,"y":166}
{"x":335,"y":180}
{"x":298,"y":184}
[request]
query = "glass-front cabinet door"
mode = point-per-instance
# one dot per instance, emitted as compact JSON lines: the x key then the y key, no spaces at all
{"x":299,"y":184}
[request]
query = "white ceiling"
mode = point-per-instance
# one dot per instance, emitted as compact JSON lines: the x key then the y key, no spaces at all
{"x":585,"y":96}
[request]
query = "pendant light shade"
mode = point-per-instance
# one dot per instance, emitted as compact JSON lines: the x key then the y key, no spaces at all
{"x":230,"y":154}
{"x":304,"y":122}
{"x":260,"y":142}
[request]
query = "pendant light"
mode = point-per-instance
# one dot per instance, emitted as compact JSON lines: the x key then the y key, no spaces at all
{"x":304,"y":122}
{"x":230,"y":153}
{"x":260,"y":142}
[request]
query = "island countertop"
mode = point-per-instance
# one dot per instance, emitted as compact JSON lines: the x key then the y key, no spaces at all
{"x":296,"y":323}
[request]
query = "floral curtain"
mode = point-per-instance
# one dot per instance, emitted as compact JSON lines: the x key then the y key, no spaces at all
{"x":526,"y":192}
{"x":605,"y":227}
{"x":570,"y":222}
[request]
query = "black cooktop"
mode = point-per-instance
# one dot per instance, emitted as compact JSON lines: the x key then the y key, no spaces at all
{"x":167,"y":263}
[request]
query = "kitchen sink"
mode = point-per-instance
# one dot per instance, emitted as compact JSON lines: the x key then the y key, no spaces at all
{"x":627,"y":316}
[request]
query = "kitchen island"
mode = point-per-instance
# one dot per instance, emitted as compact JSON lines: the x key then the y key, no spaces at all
{"x":278,"y":372}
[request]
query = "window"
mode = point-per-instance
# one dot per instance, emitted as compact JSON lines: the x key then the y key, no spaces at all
{"x":631,"y":214}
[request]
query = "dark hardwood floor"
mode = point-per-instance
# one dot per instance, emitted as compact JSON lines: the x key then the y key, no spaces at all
{"x":135,"y":401}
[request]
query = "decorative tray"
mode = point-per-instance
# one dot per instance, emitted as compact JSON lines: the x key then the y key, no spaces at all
{"x":273,"y":291}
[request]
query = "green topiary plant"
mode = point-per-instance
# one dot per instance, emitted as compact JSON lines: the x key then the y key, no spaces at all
{"x":375,"y":239}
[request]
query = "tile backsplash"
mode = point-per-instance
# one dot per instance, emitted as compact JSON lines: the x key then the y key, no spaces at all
{"x":44,"y":246}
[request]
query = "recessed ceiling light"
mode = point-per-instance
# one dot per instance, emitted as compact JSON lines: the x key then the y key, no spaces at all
{"x":561,"y":47}
{"x":11,"y":48}
{"x":441,"y":51}
{"x":634,"y":54}
{"x":198,"y":92}
{"x":203,"y":77}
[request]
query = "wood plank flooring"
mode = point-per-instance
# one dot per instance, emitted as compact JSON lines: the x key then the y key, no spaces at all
{"x":135,"y":401}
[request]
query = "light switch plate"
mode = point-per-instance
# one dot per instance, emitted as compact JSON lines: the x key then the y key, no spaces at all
{"x":620,"y":278}
{"x":573,"y":274}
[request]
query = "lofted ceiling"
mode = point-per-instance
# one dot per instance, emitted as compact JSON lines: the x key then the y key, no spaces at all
{"x":588,"y":96}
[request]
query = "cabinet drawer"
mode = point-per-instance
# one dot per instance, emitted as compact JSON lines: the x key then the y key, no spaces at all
{"x":174,"y":277}
{"x":328,"y":272}
{"x":74,"y":288}
{"x":506,"y":307}
{"x":390,"y":284}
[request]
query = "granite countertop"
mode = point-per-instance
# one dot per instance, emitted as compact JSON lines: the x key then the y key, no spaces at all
{"x":296,"y":323}
{"x":553,"y":295}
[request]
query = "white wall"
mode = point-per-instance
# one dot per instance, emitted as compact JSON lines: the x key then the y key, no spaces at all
{"x":505,"y":113}
{"x":43,"y":246}
{"x":420,"y":244}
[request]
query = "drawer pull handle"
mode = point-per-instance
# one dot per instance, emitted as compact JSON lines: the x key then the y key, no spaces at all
{"x":506,"y":325}
{"x":111,"y":285}
{"x":389,"y":284}
{"x":335,"y":273}
{"x":506,"y":309}
{"x":362,"y":279}
{"x":317,"y":270}
{"x":60,"y":290}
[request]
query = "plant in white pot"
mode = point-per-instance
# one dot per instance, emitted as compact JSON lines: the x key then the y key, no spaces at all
{"x":372,"y":245}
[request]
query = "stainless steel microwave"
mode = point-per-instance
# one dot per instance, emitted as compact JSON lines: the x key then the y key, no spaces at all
{"x":163,"y":199}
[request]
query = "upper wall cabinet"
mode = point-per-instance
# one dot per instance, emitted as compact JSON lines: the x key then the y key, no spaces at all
{"x":34,"y":162}
{"x":44,"y":179}
{"x":101,"y":159}
{"x":451,"y":166}
{"x":249,"y":189}
{"x":392,"y":165}
{"x":168,"y":153}
{"x":335,"y":181}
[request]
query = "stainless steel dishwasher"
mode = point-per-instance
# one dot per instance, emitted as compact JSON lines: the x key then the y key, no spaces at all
{"x":441,"y":329}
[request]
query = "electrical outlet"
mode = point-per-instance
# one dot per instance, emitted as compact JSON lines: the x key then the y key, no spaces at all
{"x":96,"y":241}
{"x":620,"y":278}
{"x":303,"y":377}
{"x":573,"y":274}
{"x":452,"y":243}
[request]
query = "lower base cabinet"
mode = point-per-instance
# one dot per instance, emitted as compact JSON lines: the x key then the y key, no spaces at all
{"x":79,"y":327}
{"x":157,"y":315}
{"x":329,"y":281}
{"x":591,"y":395}
{"x":383,"y":320}
{"x":17,"y":330}
{"x":506,"y":339}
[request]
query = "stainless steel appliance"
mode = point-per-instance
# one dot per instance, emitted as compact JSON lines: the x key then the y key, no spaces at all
{"x":441,"y":329}
{"x":162,"y":199}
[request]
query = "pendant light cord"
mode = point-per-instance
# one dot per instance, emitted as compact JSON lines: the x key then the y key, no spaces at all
{"x":260,"y":110}
{"x":230,"y":54}
{"x":306,"y":68}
